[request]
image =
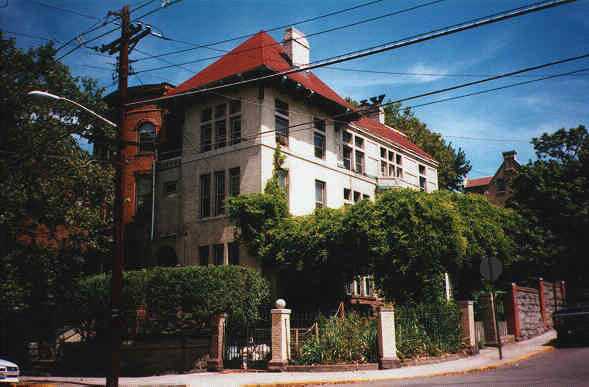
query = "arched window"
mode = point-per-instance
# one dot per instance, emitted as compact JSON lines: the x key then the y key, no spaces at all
{"x":146,"y":137}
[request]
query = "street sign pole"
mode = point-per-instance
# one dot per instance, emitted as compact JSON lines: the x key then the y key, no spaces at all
{"x":494,"y":311}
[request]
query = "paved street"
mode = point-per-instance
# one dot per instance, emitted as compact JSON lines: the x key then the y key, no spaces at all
{"x":562,"y":367}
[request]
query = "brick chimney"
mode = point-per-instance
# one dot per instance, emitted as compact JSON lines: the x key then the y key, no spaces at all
{"x":377,"y":114}
{"x":509,"y":159}
{"x":296,"y":46}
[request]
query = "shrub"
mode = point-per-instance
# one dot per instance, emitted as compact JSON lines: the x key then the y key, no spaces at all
{"x":427,"y":330}
{"x":175,"y":299}
{"x":341,"y":340}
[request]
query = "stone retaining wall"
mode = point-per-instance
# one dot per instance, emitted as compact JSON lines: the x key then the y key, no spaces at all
{"x":530,"y":317}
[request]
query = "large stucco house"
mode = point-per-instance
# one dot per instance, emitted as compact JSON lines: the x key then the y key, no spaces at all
{"x":229,"y":137}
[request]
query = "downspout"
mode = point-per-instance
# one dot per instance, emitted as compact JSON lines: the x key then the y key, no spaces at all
{"x":153,"y":193}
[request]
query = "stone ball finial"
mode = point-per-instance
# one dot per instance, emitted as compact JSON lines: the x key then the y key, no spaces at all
{"x":280,"y":304}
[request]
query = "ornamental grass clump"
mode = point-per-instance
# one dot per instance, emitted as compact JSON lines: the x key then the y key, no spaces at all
{"x":351,"y":339}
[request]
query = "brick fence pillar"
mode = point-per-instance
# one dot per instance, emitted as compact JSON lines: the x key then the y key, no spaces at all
{"x":280,"y":337}
{"x":467,"y":325}
{"x":215,"y":362}
{"x":514,"y":310}
{"x":542,"y":300}
{"x":387,"y":344}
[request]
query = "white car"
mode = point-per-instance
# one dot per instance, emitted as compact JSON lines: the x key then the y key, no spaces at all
{"x":9,"y":372}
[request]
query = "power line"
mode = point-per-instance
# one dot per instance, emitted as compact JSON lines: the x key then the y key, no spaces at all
{"x":248,"y":35}
{"x":363,"y":21}
{"x":501,"y":87}
{"x":419,"y":74}
{"x":475,"y":23}
{"x":309,"y":124}
{"x":67,"y":10}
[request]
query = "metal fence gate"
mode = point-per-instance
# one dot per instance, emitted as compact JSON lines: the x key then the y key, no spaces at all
{"x":247,"y":345}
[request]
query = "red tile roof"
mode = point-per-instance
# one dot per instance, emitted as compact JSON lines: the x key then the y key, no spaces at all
{"x":471,"y":183}
{"x":381,"y":130}
{"x":262,"y":51}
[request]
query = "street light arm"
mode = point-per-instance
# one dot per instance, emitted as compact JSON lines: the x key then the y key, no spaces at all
{"x":91,"y":112}
{"x":45,"y":94}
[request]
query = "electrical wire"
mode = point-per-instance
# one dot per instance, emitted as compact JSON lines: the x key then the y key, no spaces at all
{"x":309,"y":124}
{"x":67,"y":10}
{"x":473,"y":23}
{"x":418,"y":74}
{"x":363,"y":21}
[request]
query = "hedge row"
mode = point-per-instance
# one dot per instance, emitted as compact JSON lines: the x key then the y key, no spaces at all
{"x":175,"y":299}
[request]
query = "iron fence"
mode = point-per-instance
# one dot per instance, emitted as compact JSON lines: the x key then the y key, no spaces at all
{"x":248,"y":345}
{"x":427,"y":330}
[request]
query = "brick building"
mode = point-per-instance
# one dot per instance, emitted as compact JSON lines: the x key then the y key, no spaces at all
{"x":497,"y":187}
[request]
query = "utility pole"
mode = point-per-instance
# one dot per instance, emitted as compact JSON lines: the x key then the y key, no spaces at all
{"x":116,"y":320}
{"x":130,"y":36}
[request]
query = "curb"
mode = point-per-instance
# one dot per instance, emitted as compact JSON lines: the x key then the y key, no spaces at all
{"x":495,"y":365}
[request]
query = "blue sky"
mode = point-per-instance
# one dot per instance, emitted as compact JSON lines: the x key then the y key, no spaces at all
{"x":499,"y":121}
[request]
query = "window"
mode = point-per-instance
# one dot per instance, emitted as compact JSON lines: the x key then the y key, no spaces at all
{"x":143,"y":189}
{"x":400,"y":172}
{"x":422,"y":183}
{"x":206,"y":133}
{"x":319,"y":124}
{"x":365,"y":197}
{"x":319,"y":140}
{"x":399,"y":159}
{"x":359,"y":141}
{"x":391,"y":170}
{"x":220,"y":111}
{"x":146,"y":137}
{"x":234,"y":181}
{"x":369,"y":287}
{"x":281,"y":121}
{"x":235,"y":107}
{"x":346,"y":137}
{"x":221,"y":120}
{"x":170,"y":187}
{"x":219,"y":254}
{"x":319,"y":194}
{"x":383,"y":153}
{"x":219,"y":193}
{"x":347,"y":194}
{"x":359,"y":162}
{"x":205,"y":195}
{"x":233,"y":248}
{"x":283,"y":180}
{"x":347,"y":156}
{"x":383,"y":168}
{"x":220,"y":134}
{"x":235,"y":121}
{"x":206,"y":115}
{"x":356,"y":196}
{"x":422,"y":170}
{"x":391,"y":156}
{"x":203,"y":255}
{"x":206,"y":129}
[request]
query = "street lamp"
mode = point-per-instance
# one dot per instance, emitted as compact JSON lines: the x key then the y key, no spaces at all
{"x":45,"y":94}
{"x":119,"y":252}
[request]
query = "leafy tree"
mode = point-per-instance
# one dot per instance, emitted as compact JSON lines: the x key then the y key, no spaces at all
{"x":55,"y":199}
{"x":553,"y":194}
{"x":453,"y":165}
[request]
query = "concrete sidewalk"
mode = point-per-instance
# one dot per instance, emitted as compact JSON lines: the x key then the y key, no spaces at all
{"x":487,"y":359}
